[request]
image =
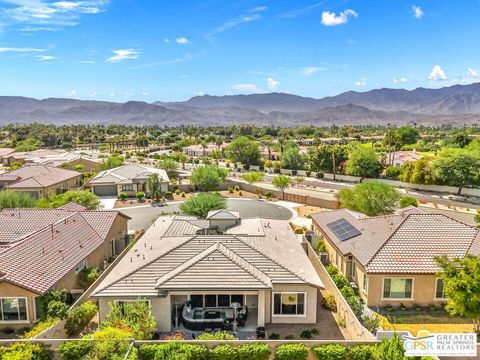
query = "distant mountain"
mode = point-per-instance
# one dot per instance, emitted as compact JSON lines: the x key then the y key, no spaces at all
{"x":455,"y":105}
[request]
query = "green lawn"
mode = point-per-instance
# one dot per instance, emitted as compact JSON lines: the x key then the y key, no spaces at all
{"x":425,"y":318}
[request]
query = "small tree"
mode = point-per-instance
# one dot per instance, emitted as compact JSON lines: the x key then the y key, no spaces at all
{"x":363,"y":162}
{"x":477,"y":218}
{"x":461,"y":285}
{"x":371,"y":198}
{"x":153,"y":184}
{"x":208,"y":177}
{"x":110,"y":163}
{"x":281,"y":182}
{"x":202,"y":203}
{"x":170,"y":166}
{"x":243,"y":150}
{"x":292,"y":159}
{"x":459,"y":168}
{"x":82,"y":197}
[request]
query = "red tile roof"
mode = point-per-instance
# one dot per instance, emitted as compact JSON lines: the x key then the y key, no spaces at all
{"x":35,"y":176}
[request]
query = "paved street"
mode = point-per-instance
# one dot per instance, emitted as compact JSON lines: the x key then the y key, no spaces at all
{"x":143,"y":217}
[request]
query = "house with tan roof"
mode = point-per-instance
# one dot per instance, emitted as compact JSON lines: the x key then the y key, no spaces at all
{"x":40,"y":180}
{"x":400,"y":158}
{"x":390,"y":259}
{"x":128,"y":179}
{"x":215,"y":274}
{"x":26,"y":157}
{"x":42,"y":250}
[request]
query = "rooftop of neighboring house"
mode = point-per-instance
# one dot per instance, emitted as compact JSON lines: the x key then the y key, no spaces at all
{"x":57,"y":160}
{"x":176,"y":254}
{"x":404,"y":156}
{"x":404,"y":242}
{"x":37,"y":176}
{"x":26,"y":155}
{"x":209,"y":147}
{"x":6,"y":151}
{"x":127,"y":174}
{"x":38,"y":247}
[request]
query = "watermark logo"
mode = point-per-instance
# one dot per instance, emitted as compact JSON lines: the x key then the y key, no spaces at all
{"x":440,"y":344}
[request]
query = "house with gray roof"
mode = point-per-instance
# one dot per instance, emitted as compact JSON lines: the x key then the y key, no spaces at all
{"x":128,"y":179}
{"x":42,"y":250}
{"x":390,"y":259}
{"x":207,"y":274}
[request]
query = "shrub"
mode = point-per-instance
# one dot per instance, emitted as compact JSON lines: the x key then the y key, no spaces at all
{"x":319,"y":175}
{"x":390,"y":349}
{"x":87,"y":277}
{"x":274,"y":336}
{"x":294,"y":172}
{"x":321,"y":247}
{"x":75,"y":350}
{"x":306,"y":334}
{"x":79,"y":316}
{"x":330,"y":352}
{"x":21,"y":351}
{"x":174,"y":350}
{"x":56,"y":309}
{"x":199,"y":205}
{"x":169,"y":193}
{"x":223,"y":352}
{"x":237,"y":188}
{"x":298,"y":231}
{"x":183,"y":194}
{"x":140,"y":195}
{"x":112,"y":343}
{"x":122,"y":196}
{"x":268,"y":194}
{"x":219,"y":335}
{"x":329,"y":302}
{"x":39,"y":328}
{"x":230,"y":190}
{"x":408,"y":201}
{"x":240,"y":193}
{"x":308,"y":173}
{"x":371,"y":323}
{"x":254,"y":352}
{"x":361,"y":352}
{"x":291,"y":352}
{"x":176,"y":192}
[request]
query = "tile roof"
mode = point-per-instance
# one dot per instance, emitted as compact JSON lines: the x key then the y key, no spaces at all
{"x":223,"y":214}
{"x":36,"y":176}
{"x":166,"y":258}
{"x":39,"y":260}
{"x":126,"y":174}
{"x":73,"y":206}
{"x":405,"y":242}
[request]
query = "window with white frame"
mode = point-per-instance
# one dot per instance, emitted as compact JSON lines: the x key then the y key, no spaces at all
{"x":127,"y":187}
{"x":439,"y":289}
{"x":82,"y":265}
{"x":13,"y":309}
{"x":289,"y":304}
{"x":365,"y":283}
{"x":397,"y":288}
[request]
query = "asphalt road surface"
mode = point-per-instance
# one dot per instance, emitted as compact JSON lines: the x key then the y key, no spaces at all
{"x":143,"y":217}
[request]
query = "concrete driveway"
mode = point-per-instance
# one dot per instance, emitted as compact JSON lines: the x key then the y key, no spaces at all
{"x":144,"y":216}
{"x":107,"y":202}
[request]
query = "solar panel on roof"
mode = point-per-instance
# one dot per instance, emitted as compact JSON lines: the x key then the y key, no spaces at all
{"x":343,"y":229}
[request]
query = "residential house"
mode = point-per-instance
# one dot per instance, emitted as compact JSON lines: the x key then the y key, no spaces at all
{"x":40,"y":180}
{"x":197,"y":150}
{"x":68,"y":160}
{"x":128,"y":179}
{"x":390,"y":258}
{"x":203,"y":271}
{"x":5,"y":154}
{"x":25,"y":157}
{"x":44,"y":249}
{"x":399,"y":158}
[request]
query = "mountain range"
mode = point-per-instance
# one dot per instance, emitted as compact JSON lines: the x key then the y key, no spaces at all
{"x":454,"y":105}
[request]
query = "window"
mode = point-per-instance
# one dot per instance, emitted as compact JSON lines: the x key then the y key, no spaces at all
{"x":439,"y":290}
{"x":13,"y":309}
{"x":82,"y":265}
{"x":196,"y":301}
{"x":210,"y":300}
{"x":128,"y":187}
{"x":397,"y":288}
{"x":216,"y":300}
{"x":289,"y":304}
{"x":365,"y":283}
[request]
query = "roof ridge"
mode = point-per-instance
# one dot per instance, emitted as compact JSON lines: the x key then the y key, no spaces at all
{"x":270,"y":258}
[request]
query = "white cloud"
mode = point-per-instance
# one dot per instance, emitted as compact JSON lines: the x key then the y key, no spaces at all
{"x":437,"y":74}
{"x":88,"y":62}
{"x":186,"y":57}
{"x":417,"y":11}
{"x":300,"y":11}
{"x":232,"y":23}
{"x":55,"y":14}
{"x":92,"y":95}
{"x":123,"y":54}
{"x":182,"y":40}
{"x":46,"y":57}
{"x":200,"y":93}
{"x":332,"y":19}
{"x":20,"y":49}
{"x":259,"y":9}
{"x":400,"y":80}
{"x":166,"y":40}
{"x":145,"y":93}
{"x":310,"y":70}
{"x":249,"y":88}
{"x":72,"y":94}
{"x":361,"y":82}
{"x":272,"y":84}
{"x":472,"y":73}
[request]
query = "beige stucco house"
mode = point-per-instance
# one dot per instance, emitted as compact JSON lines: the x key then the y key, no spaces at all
{"x":391,"y":258}
{"x":44,"y":249}
{"x":128,"y":179}
{"x":40,"y":180}
{"x":195,"y":272}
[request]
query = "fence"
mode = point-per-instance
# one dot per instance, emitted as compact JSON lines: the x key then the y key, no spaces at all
{"x":343,"y":309}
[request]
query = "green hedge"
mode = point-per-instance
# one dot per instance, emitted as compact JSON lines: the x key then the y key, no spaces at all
{"x":20,"y":351}
{"x":254,"y":352}
{"x":79,"y":316}
{"x":291,"y":352}
{"x":330,"y":352}
{"x":223,"y":352}
{"x":172,"y":351}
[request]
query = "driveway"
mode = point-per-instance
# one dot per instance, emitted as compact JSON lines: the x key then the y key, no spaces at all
{"x":144,"y":216}
{"x":107,"y":202}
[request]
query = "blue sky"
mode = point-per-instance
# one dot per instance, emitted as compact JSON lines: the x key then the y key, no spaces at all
{"x":150,"y":50}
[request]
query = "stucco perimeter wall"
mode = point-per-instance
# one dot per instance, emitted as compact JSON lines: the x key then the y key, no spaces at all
{"x":344,"y":311}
